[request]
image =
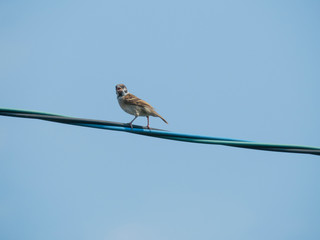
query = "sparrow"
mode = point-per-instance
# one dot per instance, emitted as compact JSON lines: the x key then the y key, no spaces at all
{"x":135,"y":106}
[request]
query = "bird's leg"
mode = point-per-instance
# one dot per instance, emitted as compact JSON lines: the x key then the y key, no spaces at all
{"x":148,"y":122}
{"x":130,"y":123}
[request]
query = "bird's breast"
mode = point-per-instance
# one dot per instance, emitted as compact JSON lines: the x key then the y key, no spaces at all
{"x":131,"y":109}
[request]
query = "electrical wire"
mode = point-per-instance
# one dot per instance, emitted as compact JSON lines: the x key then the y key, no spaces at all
{"x":158,"y":133}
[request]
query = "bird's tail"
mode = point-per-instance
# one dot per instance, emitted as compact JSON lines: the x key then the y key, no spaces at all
{"x":163,"y":119}
{"x":158,"y":115}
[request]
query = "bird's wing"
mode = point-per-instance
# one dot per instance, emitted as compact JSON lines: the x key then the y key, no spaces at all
{"x":133,"y":100}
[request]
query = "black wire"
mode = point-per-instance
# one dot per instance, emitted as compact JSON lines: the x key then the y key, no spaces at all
{"x":159,"y":133}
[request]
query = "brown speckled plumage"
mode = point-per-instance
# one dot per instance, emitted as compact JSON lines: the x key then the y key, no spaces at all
{"x":134,"y":105}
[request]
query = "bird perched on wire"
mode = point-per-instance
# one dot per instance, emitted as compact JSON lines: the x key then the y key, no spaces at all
{"x":135,"y":106}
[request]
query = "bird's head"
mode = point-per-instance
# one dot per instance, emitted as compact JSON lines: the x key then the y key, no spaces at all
{"x":121,"y":90}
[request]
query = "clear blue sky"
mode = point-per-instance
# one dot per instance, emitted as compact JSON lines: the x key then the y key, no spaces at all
{"x":235,"y":69}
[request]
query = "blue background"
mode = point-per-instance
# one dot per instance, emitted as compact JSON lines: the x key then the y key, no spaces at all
{"x":236,"y":69}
